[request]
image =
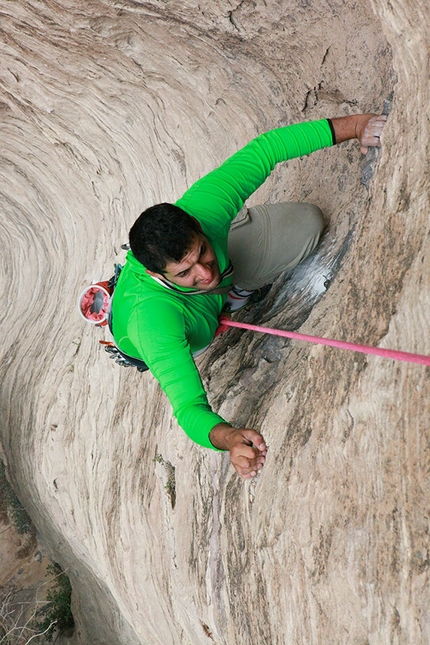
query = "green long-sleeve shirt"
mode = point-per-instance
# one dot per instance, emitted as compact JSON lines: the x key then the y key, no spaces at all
{"x":164,"y":327}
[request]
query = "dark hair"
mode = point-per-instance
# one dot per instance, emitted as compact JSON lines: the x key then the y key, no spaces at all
{"x":161,"y":234}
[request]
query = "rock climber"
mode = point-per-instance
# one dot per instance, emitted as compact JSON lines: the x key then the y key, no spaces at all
{"x":191,"y":260}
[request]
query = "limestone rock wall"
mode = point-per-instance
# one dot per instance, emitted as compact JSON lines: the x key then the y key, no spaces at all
{"x":108,"y":107}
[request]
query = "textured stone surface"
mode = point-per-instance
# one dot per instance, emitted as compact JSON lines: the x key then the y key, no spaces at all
{"x":108,"y":107}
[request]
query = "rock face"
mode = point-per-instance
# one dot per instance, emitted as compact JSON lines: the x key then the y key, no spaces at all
{"x":108,"y":107}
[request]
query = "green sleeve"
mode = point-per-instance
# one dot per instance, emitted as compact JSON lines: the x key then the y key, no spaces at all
{"x":217,"y":197}
{"x":167,"y":353}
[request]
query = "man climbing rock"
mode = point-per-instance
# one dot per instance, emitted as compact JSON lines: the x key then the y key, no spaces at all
{"x":192,"y":259}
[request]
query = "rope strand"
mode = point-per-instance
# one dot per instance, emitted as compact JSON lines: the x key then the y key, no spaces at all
{"x":340,"y":344}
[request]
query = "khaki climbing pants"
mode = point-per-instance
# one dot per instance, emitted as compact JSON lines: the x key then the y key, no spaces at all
{"x":266,"y":240}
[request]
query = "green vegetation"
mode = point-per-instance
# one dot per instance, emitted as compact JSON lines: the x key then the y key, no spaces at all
{"x":56,"y":615}
{"x":10,"y":506}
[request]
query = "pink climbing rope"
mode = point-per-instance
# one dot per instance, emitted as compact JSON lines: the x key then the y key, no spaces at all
{"x":340,"y":344}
